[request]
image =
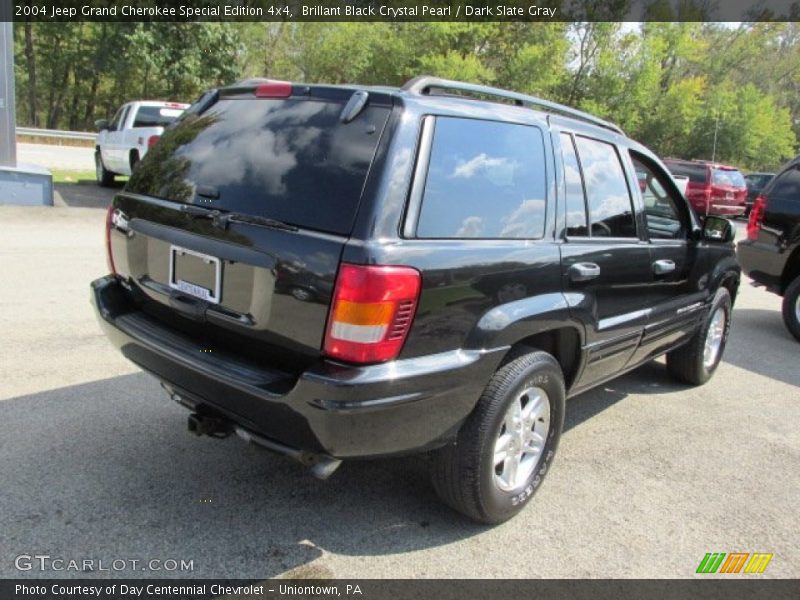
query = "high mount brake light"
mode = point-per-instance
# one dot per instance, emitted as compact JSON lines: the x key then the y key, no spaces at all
{"x":371,"y":312}
{"x":274,"y":89}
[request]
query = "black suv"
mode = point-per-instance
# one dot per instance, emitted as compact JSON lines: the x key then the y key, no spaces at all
{"x":771,"y":252}
{"x":336,"y":272}
{"x":755,"y":183}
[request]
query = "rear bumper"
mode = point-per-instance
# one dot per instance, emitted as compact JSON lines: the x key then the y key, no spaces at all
{"x":727,"y":210}
{"x":718,"y":206}
{"x":395,"y":408}
{"x":763,"y":263}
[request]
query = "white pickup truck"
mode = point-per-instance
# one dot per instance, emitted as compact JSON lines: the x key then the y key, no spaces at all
{"x":125,"y":140}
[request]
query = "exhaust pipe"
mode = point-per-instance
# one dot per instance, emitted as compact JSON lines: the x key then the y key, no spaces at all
{"x":321,"y":466}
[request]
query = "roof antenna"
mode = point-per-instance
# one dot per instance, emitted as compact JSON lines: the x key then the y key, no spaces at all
{"x":354,"y":106}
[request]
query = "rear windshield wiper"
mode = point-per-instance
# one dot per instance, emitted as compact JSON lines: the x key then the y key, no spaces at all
{"x":222,"y":219}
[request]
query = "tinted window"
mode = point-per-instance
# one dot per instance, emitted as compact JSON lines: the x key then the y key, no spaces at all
{"x":756,"y":181}
{"x":727,"y":177}
{"x":661,"y":210}
{"x":291,"y":160}
{"x":115,"y":122}
{"x":576,"y":202}
{"x":610,"y":209}
{"x":786,"y":185}
{"x":156,"y":116}
{"x":485,"y":180}
{"x":695,"y":173}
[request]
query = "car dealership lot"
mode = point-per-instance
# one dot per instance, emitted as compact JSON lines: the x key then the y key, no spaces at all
{"x":66,"y":158}
{"x":97,"y":463}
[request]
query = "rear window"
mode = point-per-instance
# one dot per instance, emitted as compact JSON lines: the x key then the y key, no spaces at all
{"x":291,"y":160}
{"x":757,"y":181}
{"x":156,"y":116}
{"x":695,"y":173}
{"x":786,"y":186}
{"x":727,"y":177}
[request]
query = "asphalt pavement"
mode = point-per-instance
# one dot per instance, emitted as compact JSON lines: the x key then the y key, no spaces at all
{"x":97,"y":464}
{"x":65,"y":158}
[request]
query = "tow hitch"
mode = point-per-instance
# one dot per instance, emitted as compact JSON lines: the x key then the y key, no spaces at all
{"x":321,"y":466}
{"x":211,"y":426}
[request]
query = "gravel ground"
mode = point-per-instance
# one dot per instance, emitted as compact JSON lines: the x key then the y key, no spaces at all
{"x":97,"y":463}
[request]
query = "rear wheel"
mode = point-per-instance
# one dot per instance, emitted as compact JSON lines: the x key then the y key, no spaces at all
{"x":791,"y":308}
{"x":104,"y":177}
{"x":695,"y":362}
{"x":505,"y":447}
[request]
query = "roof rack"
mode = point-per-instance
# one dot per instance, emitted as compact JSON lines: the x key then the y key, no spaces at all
{"x":425,"y":85}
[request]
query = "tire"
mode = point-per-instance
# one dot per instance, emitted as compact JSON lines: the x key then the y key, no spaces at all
{"x":791,"y":308}
{"x":465,"y":473}
{"x":104,"y":177}
{"x":690,"y":363}
{"x":133,"y":161}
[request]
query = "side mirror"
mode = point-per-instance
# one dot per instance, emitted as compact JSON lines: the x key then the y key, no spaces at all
{"x":717,"y":229}
{"x":101,"y":124}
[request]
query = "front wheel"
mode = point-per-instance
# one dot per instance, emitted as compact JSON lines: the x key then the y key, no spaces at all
{"x":507,"y":444}
{"x":791,"y":308}
{"x":104,"y":177}
{"x":695,"y":362}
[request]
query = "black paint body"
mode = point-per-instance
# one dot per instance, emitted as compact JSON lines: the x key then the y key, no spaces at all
{"x":256,"y":356}
{"x":773,"y":258}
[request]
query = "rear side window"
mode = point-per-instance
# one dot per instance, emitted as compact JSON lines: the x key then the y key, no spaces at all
{"x":727,"y":177}
{"x":609,"y":200}
{"x":290,"y":160}
{"x":786,"y":185}
{"x":695,"y":173}
{"x":485,"y":180}
{"x":156,"y":116}
{"x":576,"y":203}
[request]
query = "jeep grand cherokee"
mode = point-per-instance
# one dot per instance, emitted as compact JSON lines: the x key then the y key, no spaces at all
{"x":337,"y":272}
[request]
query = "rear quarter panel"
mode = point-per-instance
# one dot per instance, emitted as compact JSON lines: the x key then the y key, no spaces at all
{"x":475,"y":293}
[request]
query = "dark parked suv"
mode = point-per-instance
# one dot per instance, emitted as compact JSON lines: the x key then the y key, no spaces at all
{"x":755,"y":183}
{"x":470,"y":257}
{"x":771,"y":252}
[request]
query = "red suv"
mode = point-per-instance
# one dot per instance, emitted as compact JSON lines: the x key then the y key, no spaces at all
{"x":713,"y":189}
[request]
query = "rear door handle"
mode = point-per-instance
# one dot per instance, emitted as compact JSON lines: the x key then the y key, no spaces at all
{"x":663,"y":267}
{"x":584,"y":271}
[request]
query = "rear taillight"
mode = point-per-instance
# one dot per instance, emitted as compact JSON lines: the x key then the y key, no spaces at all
{"x":371,"y":312}
{"x":151,"y":141}
{"x":109,"y":255}
{"x":756,"y":217}
{"x":274,"y":89}
{"x":707,"y":196}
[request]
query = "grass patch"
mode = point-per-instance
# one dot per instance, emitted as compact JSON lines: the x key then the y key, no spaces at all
{"x":82,"y":177}
{"x":72,"y":176}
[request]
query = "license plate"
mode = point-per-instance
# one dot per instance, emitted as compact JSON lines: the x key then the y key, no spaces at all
{"x":194,"y":273}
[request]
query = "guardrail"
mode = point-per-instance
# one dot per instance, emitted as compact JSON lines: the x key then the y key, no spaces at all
{"x":57,"y":134}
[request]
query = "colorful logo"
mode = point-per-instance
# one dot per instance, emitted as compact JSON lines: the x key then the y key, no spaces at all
{"x":735,"y":562}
